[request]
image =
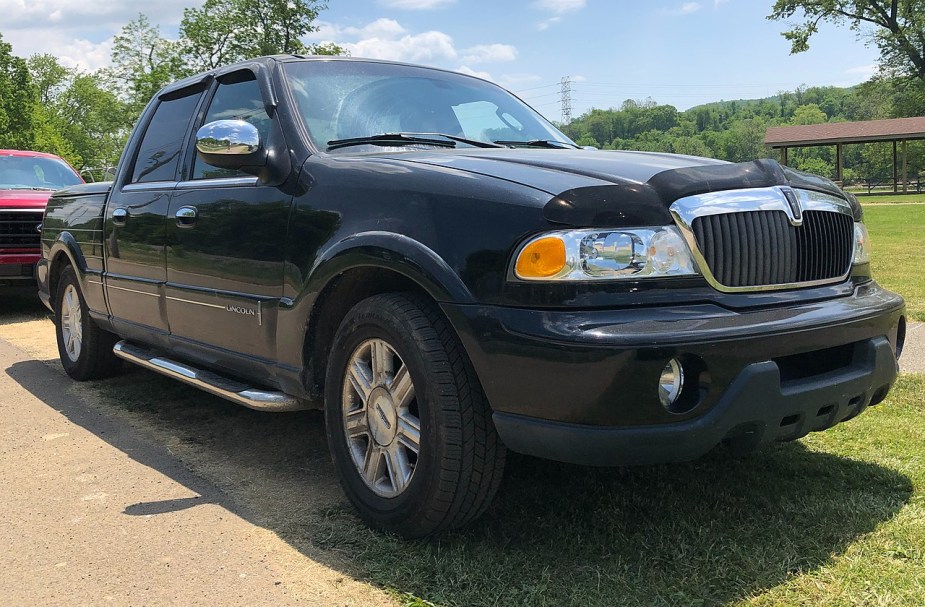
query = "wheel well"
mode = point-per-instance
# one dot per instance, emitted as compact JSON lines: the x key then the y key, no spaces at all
{"x":58,"y":264}
{"x":339,"y":296}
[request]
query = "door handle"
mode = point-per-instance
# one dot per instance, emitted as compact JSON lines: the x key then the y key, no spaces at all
{"x":119,"y":216}
{"x":186,"y":217}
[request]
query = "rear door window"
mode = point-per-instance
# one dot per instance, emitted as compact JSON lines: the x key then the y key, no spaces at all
{"x":159,"y":153}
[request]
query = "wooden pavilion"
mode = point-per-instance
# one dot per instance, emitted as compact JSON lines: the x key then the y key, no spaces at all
{"x":896,"y":130}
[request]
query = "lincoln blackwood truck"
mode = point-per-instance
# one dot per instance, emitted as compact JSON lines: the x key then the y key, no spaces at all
{"x":448,"y":276}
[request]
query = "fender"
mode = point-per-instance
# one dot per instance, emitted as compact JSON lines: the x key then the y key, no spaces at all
{"x":89,"y":280}
{"x":374,"y":249}
{"x":392,"y":251}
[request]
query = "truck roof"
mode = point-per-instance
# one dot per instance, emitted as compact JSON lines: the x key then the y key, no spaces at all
{"x":264,"y":63}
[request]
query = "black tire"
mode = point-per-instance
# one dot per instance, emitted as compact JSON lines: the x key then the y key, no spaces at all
{"x":460,"y":461}
{"x":93,"y":359}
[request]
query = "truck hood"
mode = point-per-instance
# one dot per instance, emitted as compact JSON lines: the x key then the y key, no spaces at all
{"x":24,"y":199}
{"x":597,"y":188}
{"x":550,"y":170}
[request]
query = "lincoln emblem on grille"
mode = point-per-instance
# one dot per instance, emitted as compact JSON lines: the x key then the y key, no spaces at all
{"x":796,"y":210}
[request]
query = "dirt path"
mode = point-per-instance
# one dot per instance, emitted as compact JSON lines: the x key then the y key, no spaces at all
{"x":100,"y":505}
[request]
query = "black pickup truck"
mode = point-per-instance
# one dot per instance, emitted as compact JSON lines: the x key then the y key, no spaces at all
{"x":448,"y":276}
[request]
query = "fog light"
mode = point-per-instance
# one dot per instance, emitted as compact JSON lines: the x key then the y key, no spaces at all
{"x":670,"y":383}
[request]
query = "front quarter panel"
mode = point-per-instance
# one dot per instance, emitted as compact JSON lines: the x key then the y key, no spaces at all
{"x":447,"y":230}
{"x":465,"y":226}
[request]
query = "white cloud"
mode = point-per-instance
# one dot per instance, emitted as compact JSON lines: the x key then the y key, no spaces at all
{"x":718,"y":3}
{"x":464,"y":69}
{"x":388,"y":39}
{"x":559,"y":6}
{"x":866,"y":71}
{"x":76,"y":52}
{"x":76,"y":14}
{"x":380,"y":28}
{"x":546,"y":24}
{"x":518,"y":79}
{"x":85,"y":55}
{"x":685,"y":9}
{"x":416,"y":5}
{"x":489,"y":53}
{"x":428,"y":46}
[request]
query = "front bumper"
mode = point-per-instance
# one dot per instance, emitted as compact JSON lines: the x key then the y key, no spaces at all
{"x":581,"y":386}
{"x":17,"y":267}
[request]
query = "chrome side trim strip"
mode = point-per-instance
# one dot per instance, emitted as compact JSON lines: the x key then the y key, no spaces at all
{"x":196,"y":303}
{"x":686,"y":210}
{"x":133,"y":291}
{"x":217,"y":182}
{"x":149,"y":185}
{"x":242,"y":394}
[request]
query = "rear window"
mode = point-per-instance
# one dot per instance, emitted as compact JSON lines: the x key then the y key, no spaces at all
{"x":35,"y":173}
{"x":159,"y":152}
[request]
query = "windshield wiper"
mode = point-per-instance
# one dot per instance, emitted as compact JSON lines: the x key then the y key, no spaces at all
{"x":27,"y":187}
{"x":387,"y":139}
{"x":473,"y":142}
{"x":539,"y":143}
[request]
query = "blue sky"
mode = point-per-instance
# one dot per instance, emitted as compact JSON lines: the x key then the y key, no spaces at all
{"x":680,"y":52}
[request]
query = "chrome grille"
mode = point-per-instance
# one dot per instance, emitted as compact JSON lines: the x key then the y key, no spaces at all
{"x":759,"y":248}
{"x":18,"y":229}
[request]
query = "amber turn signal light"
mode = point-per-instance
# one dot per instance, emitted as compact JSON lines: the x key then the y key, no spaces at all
{"x":541,"y":258}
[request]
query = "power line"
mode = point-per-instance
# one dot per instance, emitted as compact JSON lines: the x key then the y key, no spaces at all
{"x":545,"y":86}
{"x":556,"y":93}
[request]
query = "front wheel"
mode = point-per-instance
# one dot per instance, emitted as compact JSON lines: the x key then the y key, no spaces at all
{"x":84,"y":348}
{"x":409,"y":429}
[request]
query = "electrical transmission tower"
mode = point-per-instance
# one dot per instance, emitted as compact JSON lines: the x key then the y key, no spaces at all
{"x":565,"y":93}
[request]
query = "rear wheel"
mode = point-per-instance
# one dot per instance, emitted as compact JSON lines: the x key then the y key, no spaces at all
{"x":409,"y":429}
{"x":85,"y":349}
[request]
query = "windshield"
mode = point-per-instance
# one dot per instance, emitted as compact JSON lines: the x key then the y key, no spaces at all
{"x":35,"y":173}
{"x":341,"y":100}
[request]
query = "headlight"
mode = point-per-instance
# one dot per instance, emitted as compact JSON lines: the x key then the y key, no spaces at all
{"x":861,"y":244}
{"x":576,"y":255}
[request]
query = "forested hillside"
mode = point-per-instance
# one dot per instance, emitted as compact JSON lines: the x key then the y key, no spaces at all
{"x":734,"y":130}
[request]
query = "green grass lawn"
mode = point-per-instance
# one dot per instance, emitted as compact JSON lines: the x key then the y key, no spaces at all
{"x":890,"y":198}
{"x":897,"y":234}
{"x":836,"y":519}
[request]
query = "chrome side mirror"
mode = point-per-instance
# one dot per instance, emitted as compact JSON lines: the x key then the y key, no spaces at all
{"x":230,"y":144}
{"x":228,"y":138}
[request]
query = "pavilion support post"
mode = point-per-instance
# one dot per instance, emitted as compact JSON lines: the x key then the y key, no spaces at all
{"x":905,"y":167}
{"x":895,"y":170}
{"x":783,"y":156}
{"x":839,"y":164}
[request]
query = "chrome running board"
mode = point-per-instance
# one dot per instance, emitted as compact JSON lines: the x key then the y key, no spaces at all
{"x":242,"y":394}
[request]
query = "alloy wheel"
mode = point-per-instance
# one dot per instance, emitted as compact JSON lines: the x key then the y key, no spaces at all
{"x":380,"y":418}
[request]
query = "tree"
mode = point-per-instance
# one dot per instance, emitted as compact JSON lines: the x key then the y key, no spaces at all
{"x":808,"y":114}
{"x":143,"y":61}
{"x":93,"y":120}
{"x":225,"y":31}
{"x":899,"y":28}
{"x":18,"y":101}
{"x":49,"y":76}
{"x":80,"y":117}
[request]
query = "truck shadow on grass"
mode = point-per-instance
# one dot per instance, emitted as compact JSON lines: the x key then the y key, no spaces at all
{"x":702,"y":533}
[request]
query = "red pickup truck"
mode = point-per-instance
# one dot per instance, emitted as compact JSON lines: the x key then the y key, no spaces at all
{"x":27,"y":179}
